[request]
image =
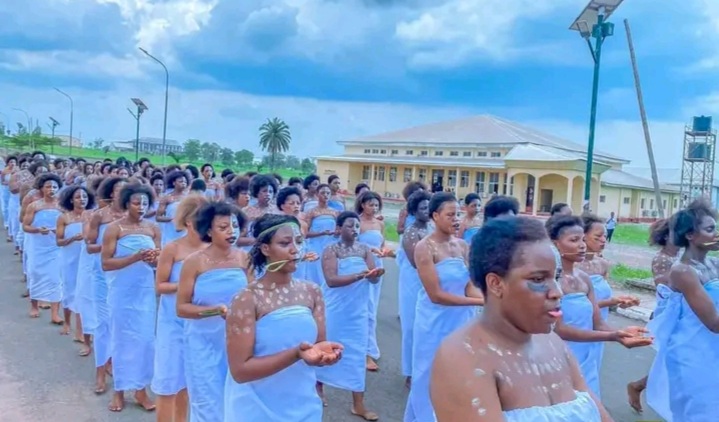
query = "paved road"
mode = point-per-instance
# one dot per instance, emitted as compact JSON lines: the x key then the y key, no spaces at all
{"x":42,"y":378}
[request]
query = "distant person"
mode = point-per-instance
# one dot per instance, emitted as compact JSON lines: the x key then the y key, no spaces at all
{"x":560,"y":208}
{"x":610,"y":225}
{"x":198,"y":186}
{"x":500,"y":205}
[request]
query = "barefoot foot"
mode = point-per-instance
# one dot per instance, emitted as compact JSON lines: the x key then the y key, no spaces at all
{"x":371,"y":365}
{"x":365,"y":414}
{"x":117,"y":403}
{"x":65,"y":330}
{"x":142,"y":400}
{"x":634,"y":392}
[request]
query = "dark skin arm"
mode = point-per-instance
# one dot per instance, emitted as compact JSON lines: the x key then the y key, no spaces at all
{"x":164,"y":268}
{"x":186,"y":287}
{"x":329,"y":268}
{"x":430,"y":280}
{"x":109,"y":246}
{"x":93,"y":232}
{"x":686,"y":281}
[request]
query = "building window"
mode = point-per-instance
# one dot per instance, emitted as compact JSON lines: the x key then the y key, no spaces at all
{"x":493,"y":182}
{"x":479,"y":183}
{"x":384,"y":151}
{"x":481,"y":153}
{"x":626,"y":200}
{"x":375,"y":151}
{"x":394,"y":152}
{"x":407,"y":174}
{"x":366,"y":151}
{"x":467,"y":154}
{"x":409,"y":152}
{"x":423,"y":153}
{"x":375,"y":173}
{"x":664,"y":204}
{"x":602,"y":198}
{"x":651,"y":204}
{"x":508,"y":187}
{"x":464,"y":179}
{"x":496,"y":154}
{"x":393,"y":174}
{"x":642,"y":203}
{"x":675,"y":202}
{"x":380,"y":175}
{"x":422,"y":174}
{"x":452,"y":178}
{"x":438,"y":153}
{"x":365,"y":172}
{"x":454,"y":153}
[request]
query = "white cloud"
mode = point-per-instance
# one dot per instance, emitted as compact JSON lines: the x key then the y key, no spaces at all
{"x":65,"y":62}
{"x":457,"y":30}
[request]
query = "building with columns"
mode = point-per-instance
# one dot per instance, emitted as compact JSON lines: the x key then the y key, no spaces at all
{"x":490,"y":155}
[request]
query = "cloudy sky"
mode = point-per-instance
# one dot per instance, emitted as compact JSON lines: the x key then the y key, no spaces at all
{"x":337,"y":69}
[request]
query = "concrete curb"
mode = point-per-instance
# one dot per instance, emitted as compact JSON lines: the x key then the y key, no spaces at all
{"x":636,"y":313}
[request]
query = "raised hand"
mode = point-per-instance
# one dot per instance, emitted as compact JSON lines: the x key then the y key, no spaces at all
{"x":627,"y":301}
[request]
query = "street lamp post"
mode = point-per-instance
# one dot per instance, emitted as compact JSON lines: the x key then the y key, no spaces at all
{"x":592,"y":23}
{"x":53,"y":124}
{"x":167,"y":94}
{"x":72,"y":111}
{"x":141,"y":108}
{"x":29,"y":123}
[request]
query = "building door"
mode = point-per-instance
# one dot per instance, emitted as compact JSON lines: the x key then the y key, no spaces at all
{"x":529,"y":201}
{"x":545,"y":200}
{"x":437,"y":180}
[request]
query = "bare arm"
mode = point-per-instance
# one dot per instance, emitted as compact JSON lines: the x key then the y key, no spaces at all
{"x":369,"y":261}
{"x":164,"y":269}
{"x":685,"y":280}
{"x":186,"y":288}
{"x":329,"y":268}
{"x":427,"y":271}
{"x":93,"y":232}
{"x":161,"y":216}
{"x":60,"y":232}
{"x":402,"y":220}
{"x":109,"y":246}
{"x":27,"y":226}
{"x":241,"y":325}
{"x":409,"y":242}
{"x":454,"y":388}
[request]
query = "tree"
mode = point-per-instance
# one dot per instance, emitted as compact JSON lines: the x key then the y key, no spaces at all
{"x":98,"y":143}
{"x":210,"y":152}
{"x":293,"y":162}
{"x":244,"y":158}
{"x":275,"y":138}
{"x":192,"y":148}
{"x":177,"y":157}
{"x":227,"y":157}
{"x":307,"y":166}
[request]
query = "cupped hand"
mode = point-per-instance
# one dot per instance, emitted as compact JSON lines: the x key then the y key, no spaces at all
{"x":320,"y":354}
{"x":375,"y":273}
{"x":633,"y":331}
{"x":44,"y":230}
{"x":627,"y":301}
{"x":310,"y":257}
{"x":632,"y":342}
{"x":222,"y":309}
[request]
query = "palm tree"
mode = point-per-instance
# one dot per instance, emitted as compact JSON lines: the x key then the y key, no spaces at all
{"x":275,"y":138}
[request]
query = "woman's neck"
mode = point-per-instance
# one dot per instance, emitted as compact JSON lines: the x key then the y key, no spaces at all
{"x":567,"y":266}
{"x":501,"y":328}
{"x":277,"y":278}
{"x":441,"y":236}
{"x":133,"y":219}
{"x":348,"y":243}
{"x":695,"y":254}
{"x":77,"y":211}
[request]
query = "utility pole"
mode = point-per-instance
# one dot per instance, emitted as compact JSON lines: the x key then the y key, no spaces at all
{"x":645,"y":123}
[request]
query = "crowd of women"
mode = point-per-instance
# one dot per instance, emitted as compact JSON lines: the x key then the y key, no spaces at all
{"x":268,"y":291}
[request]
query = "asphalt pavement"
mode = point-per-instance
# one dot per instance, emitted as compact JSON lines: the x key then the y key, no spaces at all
{"x":43,"y":379}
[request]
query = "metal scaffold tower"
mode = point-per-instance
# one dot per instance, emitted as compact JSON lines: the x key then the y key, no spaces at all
{"x":698,"y":160}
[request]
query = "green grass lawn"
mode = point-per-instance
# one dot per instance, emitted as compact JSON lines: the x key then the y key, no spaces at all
{"x":92,"y":154}
{"x":631,"y":234}
{"x":390,"y":232}
{"x":620,"y":273}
